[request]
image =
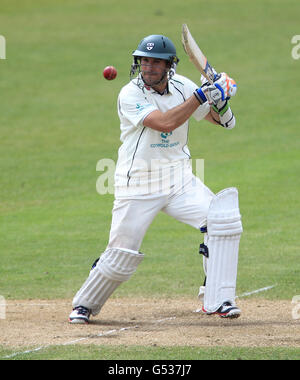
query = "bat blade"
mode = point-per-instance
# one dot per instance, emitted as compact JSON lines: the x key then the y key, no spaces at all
{"x":195,"y":54}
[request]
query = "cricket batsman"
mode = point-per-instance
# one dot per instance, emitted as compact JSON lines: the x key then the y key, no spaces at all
{"x":154,"y":174}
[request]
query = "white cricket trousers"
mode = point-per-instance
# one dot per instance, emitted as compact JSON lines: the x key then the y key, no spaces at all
{"x":187,"y":202}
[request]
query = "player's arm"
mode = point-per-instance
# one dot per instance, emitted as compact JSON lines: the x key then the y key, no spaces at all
{"x":213,"y":117}
{"x":227,"y":120}
{"x":173,"y":118}
{"x":216,"y":94}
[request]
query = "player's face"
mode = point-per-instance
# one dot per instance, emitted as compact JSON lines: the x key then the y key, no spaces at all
{"x":153,"y":70}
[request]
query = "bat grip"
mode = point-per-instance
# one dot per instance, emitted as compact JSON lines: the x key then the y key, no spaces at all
{"x":217,"y":76}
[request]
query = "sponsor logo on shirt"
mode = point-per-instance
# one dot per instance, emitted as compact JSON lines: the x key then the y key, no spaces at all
{"x":140,"y":107}
{"x":165,"y":142}
{"x":164,"y":135}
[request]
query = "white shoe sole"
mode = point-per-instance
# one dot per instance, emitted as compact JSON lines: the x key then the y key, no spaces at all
{"x":232,"y":314}
{"x":78,"y":321}
{"x":235,"y":313}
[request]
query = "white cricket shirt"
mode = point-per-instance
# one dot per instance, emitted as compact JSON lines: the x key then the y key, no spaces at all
{"x":146,"y":155}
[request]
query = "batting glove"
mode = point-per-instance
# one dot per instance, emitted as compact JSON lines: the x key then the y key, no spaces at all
{"x":226,"y":85}
{"x":217,"y":93}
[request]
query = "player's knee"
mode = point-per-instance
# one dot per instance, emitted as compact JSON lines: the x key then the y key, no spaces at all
{"x":118,"y":264}
{"x":224,"y":217}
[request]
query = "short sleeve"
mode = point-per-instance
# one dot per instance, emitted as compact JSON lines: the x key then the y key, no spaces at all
{"x":134,"y":107}
{"x":202,"y":111}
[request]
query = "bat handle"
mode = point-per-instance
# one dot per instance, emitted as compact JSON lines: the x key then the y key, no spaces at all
{"x":217,"y":76}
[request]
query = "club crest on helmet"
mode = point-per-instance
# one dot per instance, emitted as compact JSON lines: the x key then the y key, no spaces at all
{"x":150,"y":45}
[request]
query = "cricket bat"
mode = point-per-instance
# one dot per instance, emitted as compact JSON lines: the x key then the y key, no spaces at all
{"x":196,"y":56}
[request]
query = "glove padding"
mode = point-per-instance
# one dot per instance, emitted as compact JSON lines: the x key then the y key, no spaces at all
{"x":217,"y":93}
{"x":227,"y":119}
{"x":226,"y":85}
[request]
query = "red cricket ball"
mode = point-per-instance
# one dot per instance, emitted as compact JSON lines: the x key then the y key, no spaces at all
{"x":110,"y":72}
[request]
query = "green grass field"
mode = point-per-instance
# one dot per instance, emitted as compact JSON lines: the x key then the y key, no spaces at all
{"x":58,"y":119}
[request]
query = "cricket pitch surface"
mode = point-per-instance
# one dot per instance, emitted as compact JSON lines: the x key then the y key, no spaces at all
{"x":150,"y":322}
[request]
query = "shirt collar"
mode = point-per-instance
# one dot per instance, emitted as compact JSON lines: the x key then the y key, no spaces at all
{"x":168,"y":90}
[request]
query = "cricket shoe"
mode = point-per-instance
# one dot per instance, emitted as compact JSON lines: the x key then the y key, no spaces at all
{"x":226,"y":310}
{"x":80,"y":315}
